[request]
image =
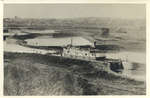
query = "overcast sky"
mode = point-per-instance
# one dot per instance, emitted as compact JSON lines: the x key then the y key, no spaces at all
{"x":128,"y":11}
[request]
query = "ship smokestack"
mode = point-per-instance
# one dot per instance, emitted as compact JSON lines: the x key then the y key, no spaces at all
{"x":94,"y":43}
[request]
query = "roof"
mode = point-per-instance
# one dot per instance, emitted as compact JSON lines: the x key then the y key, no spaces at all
{"x":76,"y":41}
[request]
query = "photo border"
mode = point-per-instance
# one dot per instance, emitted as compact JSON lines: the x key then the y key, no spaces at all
{"x":2,"y":2}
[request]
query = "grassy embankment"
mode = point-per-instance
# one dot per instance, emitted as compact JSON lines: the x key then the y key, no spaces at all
{"x":34,"y":74}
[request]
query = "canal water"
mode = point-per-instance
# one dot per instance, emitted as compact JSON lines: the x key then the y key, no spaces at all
{"x":134,"y":64}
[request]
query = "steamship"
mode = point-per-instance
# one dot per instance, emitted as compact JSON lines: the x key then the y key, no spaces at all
{"x":90,"y":53}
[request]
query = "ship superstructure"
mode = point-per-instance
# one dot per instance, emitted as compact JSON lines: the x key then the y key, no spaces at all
{"x":78,"y":52}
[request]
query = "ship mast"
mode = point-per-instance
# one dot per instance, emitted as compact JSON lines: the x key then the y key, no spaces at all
{"x":71,"y":41}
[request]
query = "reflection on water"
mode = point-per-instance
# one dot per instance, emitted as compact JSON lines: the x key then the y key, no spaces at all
{"x":135,"y":70}
{"x":134,"y":64}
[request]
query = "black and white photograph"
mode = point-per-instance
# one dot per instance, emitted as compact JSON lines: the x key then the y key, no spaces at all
{"x":74,"y":49}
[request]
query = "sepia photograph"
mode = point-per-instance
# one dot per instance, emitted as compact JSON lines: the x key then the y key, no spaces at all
{"x":74,"y":49}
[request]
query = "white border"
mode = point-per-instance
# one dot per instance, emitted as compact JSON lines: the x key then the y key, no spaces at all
{"x":1,"y":48}
{"x":2,"y":2}
{"x":75,"y":1}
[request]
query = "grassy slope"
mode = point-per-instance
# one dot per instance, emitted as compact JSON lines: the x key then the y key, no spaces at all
{"x":33,"y":74}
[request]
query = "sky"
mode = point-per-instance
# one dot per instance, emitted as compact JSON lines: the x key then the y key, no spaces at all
{"x":126,"y":11}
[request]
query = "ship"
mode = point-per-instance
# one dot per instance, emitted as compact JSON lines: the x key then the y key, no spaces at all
{"x":90,"y":53}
